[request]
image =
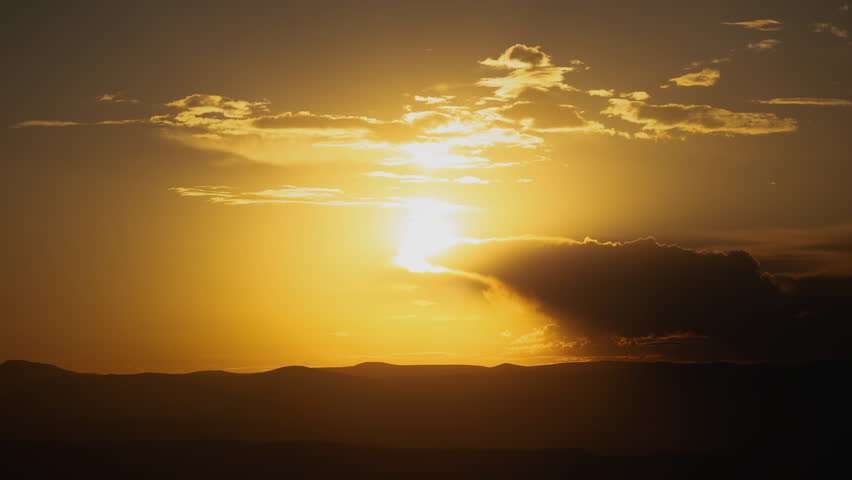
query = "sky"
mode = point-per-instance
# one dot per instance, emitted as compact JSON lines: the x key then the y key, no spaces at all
{"x":212,"y":185}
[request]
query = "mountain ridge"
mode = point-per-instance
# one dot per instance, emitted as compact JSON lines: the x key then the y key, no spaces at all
{"x":596,"y":405}
{"x":360,"y":369}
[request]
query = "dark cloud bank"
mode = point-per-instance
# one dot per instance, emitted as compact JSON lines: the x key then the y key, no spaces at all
{"x":644,"y":299}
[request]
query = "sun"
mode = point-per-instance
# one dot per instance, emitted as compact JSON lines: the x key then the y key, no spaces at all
{"x":425,"y":232}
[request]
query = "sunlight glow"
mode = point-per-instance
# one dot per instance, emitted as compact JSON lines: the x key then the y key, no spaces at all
{"x":435,"y":155}
{"x":426,"y":232}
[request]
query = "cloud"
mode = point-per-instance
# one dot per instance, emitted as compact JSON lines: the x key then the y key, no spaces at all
{"x":697,"y":118}
{"x":117,"y":97}
{"x":426,"y":179}
{"x":639,"y":95}
{"x":530,"y":69}
{"x":307,"y":121}
{"x":412,"y":127}
{"x":826,"y":102}
{"x":284,"y":194}
{"x":519,"y":81}
{"x":61,"y":123}
{"x":199,"y":104}
{"x":247,"y":128}
{"x":764,"y":45}
{"x":223,"y":116}
{"x":519,"y":56}
{"x":433,"y":100}
{"x":704,"y":78}
{"x":829,"y":28}
{"x":823,"y":250}
{"x":291,"y":191}
{"x":287,"y":194}
{"x":45,"y":123}
{"x":763,"y":25}
{"x":348,"y":128}
{"x":645,"y":297}
{"x":471,"y":180}
{"x":510,"y":127}
{"x":712,"y":61}
{"x":544,"y":115}
{"x":446,"y":136}
{"x":676,"y":338}
{"x":618,"y":288}
{"x":406,"y":178}
{"x":601,"y":93}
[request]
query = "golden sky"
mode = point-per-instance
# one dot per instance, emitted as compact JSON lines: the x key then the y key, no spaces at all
{"x":223,"y":186}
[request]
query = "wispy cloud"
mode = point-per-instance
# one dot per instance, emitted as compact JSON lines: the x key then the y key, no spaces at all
{"x":601,"y":93}
{"x":433,"y":100}
{"x":638,"y":95}
{"x":763,"y":25}
{"x":530,"y":68}
{"x":45,"y":123}
{"x":510,"y":125}
{"x":117,"y":97}
{"x":827,"y":102}
{"x":712,"y":61}
{"x":403,"y":178}
{"x":471,"y":180}
{"x":291,"y":191}
{"x":291,"y":194}
{"x":697,"y":119}
{"x":284,"y":194}
{"x":764,"y":45}
{"x":62,"y":123}
{"x":705,"y":78}
{"x":539,"y":113}
{"x":407,"y":178}
{"x":829,"y":28}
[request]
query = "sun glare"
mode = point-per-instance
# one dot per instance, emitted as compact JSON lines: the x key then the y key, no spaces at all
{"x":425,"y":232}
{"x":433,"y":155}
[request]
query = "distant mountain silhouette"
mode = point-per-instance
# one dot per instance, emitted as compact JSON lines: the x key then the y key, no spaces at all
{"x":508,"y":366}
{"x":381,"y":369}
{"x":604,"y":407}
{"x":15,"y":374}
{"x":25,"y":369}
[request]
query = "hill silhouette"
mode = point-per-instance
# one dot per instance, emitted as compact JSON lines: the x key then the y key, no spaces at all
{"x":604,"y":408}
{"x":382,"y":369}
{"x":30,"y":370}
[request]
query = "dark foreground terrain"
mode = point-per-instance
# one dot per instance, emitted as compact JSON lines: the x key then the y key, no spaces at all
{"x":596,"y":420}
{"x":118,"y":460}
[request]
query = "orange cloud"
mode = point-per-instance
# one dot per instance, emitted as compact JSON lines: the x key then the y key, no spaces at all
{"x":705,"y":78}
{"x":826,"y":102}
{"x":764,"y":45}
{"x":531,"y":69}
{"x":832,"y":29}
{"x":697,"y":118}
{"x":763,"y":25}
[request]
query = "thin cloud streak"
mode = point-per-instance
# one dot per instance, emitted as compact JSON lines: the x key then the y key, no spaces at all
{"x":826,"y":102}
{"x":290,"y":194}
{"x":705,"y":78}
{"x":762,"y":25}
{"x":764,"y":45}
